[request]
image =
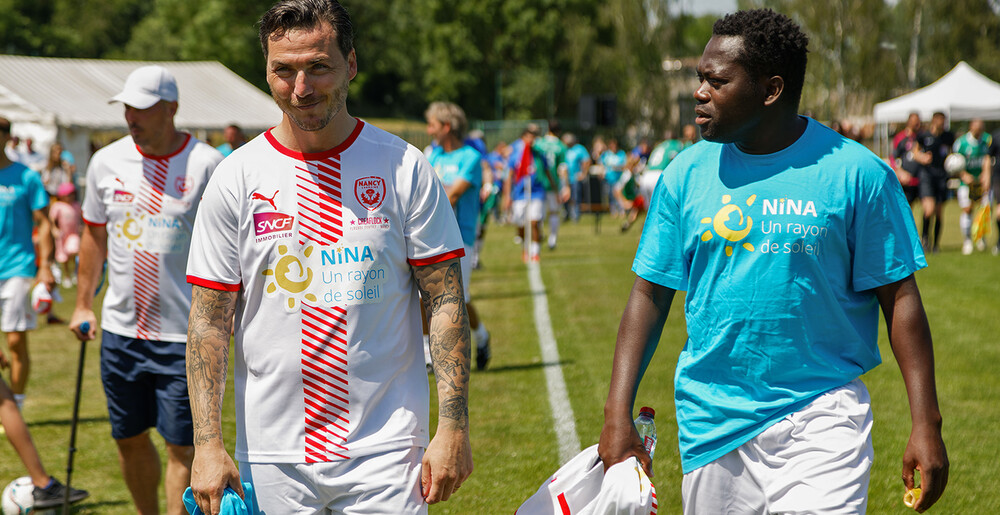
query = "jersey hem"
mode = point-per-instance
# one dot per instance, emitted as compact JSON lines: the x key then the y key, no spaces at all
{"x":212,"y":285}
{"x":163,"y":337}
{"x":393,"y":445}
{"x":94,"y":224}
{"x":458,"y":253}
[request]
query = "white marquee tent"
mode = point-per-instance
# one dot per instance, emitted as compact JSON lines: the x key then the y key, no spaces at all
{"x":50,"y":98}
{"x":961,"y":94}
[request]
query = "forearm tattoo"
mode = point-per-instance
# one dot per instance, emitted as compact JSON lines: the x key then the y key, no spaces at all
{"x":450,"y":340}
{"x":209,"y":328}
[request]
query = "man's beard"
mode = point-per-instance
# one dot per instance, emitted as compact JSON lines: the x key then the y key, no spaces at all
{"x":337,"y":104}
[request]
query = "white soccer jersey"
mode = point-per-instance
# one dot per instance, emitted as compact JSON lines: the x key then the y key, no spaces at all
{"x":329,"y":354}
{"x":147,"y":204}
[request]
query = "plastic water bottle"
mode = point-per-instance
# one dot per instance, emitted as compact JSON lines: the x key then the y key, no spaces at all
{"x":647,"y":429}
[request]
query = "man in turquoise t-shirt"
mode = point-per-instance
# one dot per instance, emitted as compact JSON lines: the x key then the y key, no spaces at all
{"x":975,"y":146}
{"x":787,"y":238}
{"x":460,"y":168}
{"x":577,"y":169}
{"x":23,"y":206}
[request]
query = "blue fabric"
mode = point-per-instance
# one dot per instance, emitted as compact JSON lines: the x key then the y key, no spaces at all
{"x":778,"y":254}
{"x":231,"y":502}
{"x":575,"y":156}
{"x":517,"y":190}
{"x":614,"y":165}
{"x":462,"y":164}
{"x":21,"y":193}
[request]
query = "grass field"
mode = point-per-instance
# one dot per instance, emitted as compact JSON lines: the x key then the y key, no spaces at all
{"x":587,"y":280}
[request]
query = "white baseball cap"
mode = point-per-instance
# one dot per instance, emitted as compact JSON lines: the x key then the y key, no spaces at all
{"x":146,"y":86}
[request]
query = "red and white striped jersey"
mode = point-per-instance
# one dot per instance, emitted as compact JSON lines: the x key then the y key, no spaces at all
{"x":329,"y":354}
{"x":148,"y":205}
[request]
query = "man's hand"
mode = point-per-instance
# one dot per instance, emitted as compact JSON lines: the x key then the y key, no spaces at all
{"x":619,"y":440}
{"x":446,"y":465}
{"x":81,"y":315}
{"x":925,"y":452}
{"x":211,"y":472}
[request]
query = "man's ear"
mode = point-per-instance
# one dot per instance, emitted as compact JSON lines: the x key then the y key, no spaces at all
{"x":773,"y":88}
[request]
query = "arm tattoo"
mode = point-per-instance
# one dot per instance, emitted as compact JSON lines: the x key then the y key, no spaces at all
{"x":209,"y":328}
{"x":443,"y":296}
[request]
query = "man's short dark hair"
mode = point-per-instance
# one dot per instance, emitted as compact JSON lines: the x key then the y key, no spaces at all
{"x":772,"y":45}
{"x":305,"y":14}
{"x":4,"y":125}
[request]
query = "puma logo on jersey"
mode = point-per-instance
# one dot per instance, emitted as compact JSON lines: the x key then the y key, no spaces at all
{"x":258,"y":196}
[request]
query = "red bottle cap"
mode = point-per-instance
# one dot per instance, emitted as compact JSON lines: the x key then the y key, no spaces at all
{"x":647,"y":411}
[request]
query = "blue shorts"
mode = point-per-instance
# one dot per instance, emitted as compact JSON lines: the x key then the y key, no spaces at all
{"x":146,"y":385}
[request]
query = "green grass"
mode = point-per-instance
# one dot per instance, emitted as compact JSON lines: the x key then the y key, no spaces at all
{"x":587,"y":280}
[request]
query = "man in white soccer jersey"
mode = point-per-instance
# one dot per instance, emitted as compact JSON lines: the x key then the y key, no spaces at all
{"x":142,"y":194}
{"x":315,"y":237}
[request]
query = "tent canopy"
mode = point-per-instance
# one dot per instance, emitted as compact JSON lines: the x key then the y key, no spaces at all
{"x":74,"y":93}
{"x":961,"y":94}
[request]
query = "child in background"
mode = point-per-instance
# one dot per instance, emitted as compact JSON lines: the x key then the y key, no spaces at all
{"x":67,"y":221}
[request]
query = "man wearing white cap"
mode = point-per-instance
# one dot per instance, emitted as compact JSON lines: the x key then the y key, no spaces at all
{"x":142,"y":194}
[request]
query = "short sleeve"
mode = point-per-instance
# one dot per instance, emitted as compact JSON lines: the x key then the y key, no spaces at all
{"x":213,"y":261}
{"x":431,"y":230}
{"x":37,"y":196}
{"x":885,"y":244}
{"x":660,"y":256}
{"x":93,"y":208}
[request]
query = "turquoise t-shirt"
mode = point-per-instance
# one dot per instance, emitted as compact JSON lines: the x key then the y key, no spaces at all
{"x":778,"y":255}
{"x":21,"y":192}
{"x":614,"y":165}
{"x":462,"y":163}
{"x":575,"y":157}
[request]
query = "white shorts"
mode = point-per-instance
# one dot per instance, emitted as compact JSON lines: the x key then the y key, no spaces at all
{"x":816,"y":460}
{"x":534,"y":208}
{"x":383,"y":483}
{"x":15,"y":305}
{"x":466,"y":262}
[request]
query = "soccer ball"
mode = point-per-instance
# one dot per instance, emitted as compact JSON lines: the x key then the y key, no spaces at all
{"x":954,"y":163}
{"x":18,"y":497}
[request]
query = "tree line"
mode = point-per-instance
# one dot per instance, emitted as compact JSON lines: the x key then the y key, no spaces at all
{"x":519,"y":59}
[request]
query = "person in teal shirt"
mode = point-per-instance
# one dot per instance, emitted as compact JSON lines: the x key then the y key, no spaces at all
{"x":460,"y":168}
{"x":23,"y":207}
{"x":614,"y":160}
{"x":787,"y":239}
{"x":577,"y":168}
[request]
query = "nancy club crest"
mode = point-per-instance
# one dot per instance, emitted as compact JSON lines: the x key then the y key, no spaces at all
{"x":370,"y":192}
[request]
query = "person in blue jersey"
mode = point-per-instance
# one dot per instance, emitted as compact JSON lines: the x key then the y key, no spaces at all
{"x":524,"y":189}
{"x":787,"y":238}
{"x":459,"y":166}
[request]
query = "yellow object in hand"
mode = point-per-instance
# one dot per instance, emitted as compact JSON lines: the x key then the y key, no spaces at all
{"x":910,"y":497}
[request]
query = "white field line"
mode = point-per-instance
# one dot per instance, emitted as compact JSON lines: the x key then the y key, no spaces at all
{"x":563,"y":421}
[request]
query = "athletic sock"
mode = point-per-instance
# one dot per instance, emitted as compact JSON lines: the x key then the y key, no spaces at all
{"x":19,"y":400}
{"x":937,"y":232}
{"x":965,"y":224}
{"x":534,"y":248}
{"x":481,"y":334}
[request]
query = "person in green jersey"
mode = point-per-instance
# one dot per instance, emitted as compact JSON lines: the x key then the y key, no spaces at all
{"x":974,"y":146}
{"x":554,"y":151}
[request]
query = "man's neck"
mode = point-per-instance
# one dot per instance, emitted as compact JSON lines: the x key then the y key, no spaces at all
{"x":310,"y":142}
{"x":775,"y":135}
{"x":451,"y":143}
{"x":166,"y":147}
